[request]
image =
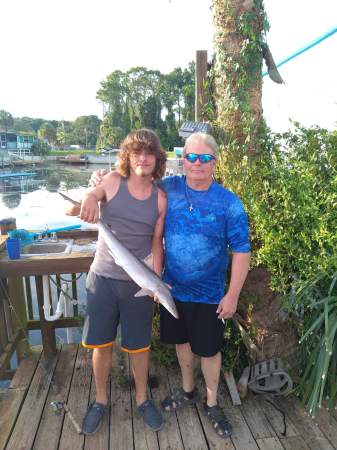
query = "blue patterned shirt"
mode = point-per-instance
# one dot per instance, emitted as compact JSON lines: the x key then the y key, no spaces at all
{"x":197,"y":241}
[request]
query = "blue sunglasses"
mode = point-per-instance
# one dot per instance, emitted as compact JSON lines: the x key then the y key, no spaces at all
{"x":203,"y":158}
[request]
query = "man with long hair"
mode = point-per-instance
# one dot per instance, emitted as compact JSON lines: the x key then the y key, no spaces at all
{"x":129,"y":202}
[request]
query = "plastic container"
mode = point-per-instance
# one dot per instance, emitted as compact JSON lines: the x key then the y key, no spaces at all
{"x":13,"y":248}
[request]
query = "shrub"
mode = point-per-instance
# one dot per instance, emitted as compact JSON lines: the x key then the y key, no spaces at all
{"x":290,"y":194}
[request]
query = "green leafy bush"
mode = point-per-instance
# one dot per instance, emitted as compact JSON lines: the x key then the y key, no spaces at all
{"x":290,"y":193}
{"x":164,"y":354}
{"x":40,"y":148}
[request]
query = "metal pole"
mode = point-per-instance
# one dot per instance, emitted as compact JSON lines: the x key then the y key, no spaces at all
{"x":305,"y":48}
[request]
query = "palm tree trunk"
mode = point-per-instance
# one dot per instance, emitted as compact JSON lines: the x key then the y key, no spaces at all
{"x":239,"y":28}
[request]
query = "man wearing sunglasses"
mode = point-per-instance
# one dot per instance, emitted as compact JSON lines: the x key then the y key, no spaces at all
{"x":204,"y":221}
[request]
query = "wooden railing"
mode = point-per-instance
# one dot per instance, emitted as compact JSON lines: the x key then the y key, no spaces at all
{"x":20,"y":283}
{"x":17,"y":317}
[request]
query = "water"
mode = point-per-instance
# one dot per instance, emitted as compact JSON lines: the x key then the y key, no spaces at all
{"x":34,"y":202}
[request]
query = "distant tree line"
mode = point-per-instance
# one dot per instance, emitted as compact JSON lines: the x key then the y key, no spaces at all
{"x":83,"y":131}
{"x":133,"y":99}
{"x":146,"y":98}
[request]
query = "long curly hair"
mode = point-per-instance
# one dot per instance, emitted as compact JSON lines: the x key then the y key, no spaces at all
{"x":142,"y":139}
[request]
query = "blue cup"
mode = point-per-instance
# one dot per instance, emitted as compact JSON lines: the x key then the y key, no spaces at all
{"x":13,"y":248}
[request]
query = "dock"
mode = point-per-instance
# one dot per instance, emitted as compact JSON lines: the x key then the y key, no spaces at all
{"x":57,"y":372}
{"x":28,"y":422}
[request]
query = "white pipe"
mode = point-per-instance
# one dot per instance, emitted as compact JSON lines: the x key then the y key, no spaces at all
{"x":46,"y":302}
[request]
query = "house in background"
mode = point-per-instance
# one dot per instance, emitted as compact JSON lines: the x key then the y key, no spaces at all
{"x":12,"y":140}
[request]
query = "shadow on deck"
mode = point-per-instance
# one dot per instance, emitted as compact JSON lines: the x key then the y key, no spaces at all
{"x":27,"y":420}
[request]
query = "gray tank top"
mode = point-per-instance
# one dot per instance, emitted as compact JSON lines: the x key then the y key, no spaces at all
{"x":133,"y":221}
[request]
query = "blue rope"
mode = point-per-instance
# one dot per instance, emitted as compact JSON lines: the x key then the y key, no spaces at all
{"x":305,"y":48}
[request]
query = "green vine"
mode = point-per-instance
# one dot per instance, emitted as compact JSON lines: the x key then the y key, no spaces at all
{"x":234,"y":77}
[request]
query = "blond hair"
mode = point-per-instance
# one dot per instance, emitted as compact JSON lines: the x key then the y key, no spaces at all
{"x":205,"y":138}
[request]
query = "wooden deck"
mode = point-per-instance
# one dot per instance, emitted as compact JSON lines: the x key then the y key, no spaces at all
{"x":27,"y":420}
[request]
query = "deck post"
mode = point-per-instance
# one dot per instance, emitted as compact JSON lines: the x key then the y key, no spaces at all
{"x":19,"y":315}
{"x":47,"y":329}
{"x":200,"y":78}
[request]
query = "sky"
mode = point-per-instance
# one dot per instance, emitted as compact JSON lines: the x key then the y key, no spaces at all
{"x":54,"y":54}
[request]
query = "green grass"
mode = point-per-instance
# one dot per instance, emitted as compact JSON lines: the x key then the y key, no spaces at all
{"x":170,"y":154}
{"x":72,"y":152}
{"x":89,"y":152}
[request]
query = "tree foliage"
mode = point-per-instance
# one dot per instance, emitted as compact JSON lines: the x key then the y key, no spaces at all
{"x":40,"y":148}
{"x":85,"y":130}
{"x":146,"y":98}
{"x":47,"y":132}
{"x":291,"y":197}
{"x":6,"y":120}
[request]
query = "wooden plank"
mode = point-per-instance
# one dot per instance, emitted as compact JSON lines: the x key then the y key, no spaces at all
{"x":294,"y":443}
{"x":66,"y":322}
{"x":231,"y":385}
{"x":99,"y":440}
{"x":242,"y":437}
{"x":77,"y":400}
{"x":9,"y":350}
{"x":29,"y":298}
{"x":6,"y":308}
{"x":144,"y":438}
{"x":169,"y":436}
{"x":50,"y":427}
{"x":17,"y":296}
{"x":6,"y":374}
{"x":256,"y":419}
{"x":10,"y":404}
{"x":47,"y":330}
{"x":327,"y":425}
{"x":90,"y":235}
{"x":200,"y":77}
{"x":188,"y":418}
{"x":24,"y":373}
{"x":214,"y":441}
{"x":310,"y":432}
{"x":58,"y":285}
{"x":269,"y":444}
{"x":275,"y":417}
{"x":27,"y":423}
{"x":3,"y":239}
{"x":46,"y":265}
{"x":121,"y":432}
{"x":74,"y":293}
{"x":3,"y":326}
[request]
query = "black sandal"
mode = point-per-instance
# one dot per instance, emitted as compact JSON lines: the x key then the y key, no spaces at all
{"x":179,"y":399}
{"x":218,"y":420}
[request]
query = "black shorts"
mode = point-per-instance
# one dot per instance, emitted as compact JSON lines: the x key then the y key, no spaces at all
{"x":110,"y":302}
{"x":198,"y":324}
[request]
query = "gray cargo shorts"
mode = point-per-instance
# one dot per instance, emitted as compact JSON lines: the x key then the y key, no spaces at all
{"x":110,"y":302}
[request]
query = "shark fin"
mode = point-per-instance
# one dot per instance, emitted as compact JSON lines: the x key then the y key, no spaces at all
{"x":149,"y":261}
{"x":143,"y":292}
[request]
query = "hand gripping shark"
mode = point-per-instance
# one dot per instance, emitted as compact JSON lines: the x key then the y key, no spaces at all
{"x":138,"y":271}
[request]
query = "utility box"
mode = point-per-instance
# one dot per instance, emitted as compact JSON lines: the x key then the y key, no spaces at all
{"x":189,"y":128}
